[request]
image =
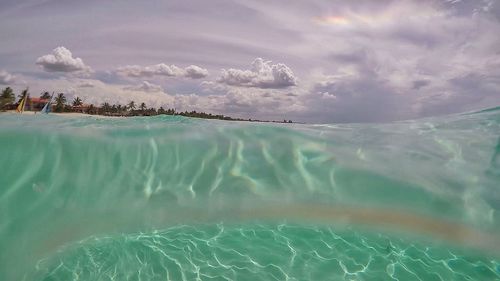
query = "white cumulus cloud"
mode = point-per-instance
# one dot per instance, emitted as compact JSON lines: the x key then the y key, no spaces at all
{"x":145,"y":86}
{"x":6,"y":78}
{"x":86,"y":84}
{"x":195,"y":72}
{"x":62,"y":60}
{"x":263,"y":74}
{"x":192,"y":71}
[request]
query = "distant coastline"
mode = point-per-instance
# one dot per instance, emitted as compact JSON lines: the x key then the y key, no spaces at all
{"x":60,"y":104}
{"x":82,"y":114}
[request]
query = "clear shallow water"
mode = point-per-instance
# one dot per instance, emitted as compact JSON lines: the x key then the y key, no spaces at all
{"x":85,"y":198}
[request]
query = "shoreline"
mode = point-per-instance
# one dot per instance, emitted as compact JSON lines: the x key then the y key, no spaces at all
{"x":79,"y":114}
{"x":65,"y":114}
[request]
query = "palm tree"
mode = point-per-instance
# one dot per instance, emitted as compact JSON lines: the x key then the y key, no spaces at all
{"x":91,"y":109}
{"x":142,"y":107}
{"x":105,"y":107}
{"x":77,"y":102}
{"x":23,"y":94}
{"x":152,"y":112}
{"x":60,"y":102}
{"x":7,"y":97}
{"x":119,"y":108}
{"x":45,"y":95}
{"x":131,"y":105}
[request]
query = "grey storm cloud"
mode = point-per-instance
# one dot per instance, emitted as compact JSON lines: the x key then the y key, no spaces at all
{"x":62,"y":60}
{"x":6,"y":78}
{"x":417,"y":84}
{"x":356,"y":98}
{"x":145,"y":86}
{"x":192,"y":71}
{"x":263,"y":74}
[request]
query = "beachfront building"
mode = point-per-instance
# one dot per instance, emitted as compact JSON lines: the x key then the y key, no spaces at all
{"x":33,"y":104}
{"x":36,"y":104}
{"x":83,"y":108}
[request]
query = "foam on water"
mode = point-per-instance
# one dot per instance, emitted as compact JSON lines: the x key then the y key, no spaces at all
{"x":156,"y":198}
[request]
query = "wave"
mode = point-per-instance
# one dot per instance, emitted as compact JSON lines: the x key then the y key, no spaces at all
{"x":491,"y":109}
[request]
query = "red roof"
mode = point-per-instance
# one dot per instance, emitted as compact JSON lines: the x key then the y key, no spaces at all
{"x":39,"y":100}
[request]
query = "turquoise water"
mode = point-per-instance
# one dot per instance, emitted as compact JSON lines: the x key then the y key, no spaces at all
{"x":173,"y":198}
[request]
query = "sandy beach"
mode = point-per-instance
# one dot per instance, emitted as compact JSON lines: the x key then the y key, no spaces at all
{"x":65,"y":114}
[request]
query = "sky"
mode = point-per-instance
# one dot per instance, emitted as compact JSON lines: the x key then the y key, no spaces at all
{"x":315,"y":61}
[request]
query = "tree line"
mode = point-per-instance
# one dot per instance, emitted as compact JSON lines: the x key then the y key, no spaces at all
{"x":61,"y":104}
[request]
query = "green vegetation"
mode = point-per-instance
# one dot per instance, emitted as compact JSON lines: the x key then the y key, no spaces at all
{"x":77,"y":102}
{"x":60,"y":104}
{"x":45,"y":95}
{"x":23,"y":94}
{"x":7,"y":98}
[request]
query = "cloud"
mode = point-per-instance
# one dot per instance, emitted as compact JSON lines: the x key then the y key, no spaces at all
{"x":61,"y":60}
{"x":86,"y":84}
{"x":263,"y":74}
{"x":246,"y":102}
{"x":145,"y":86}
{"x":468,"y":92}
{"x":354,"y":97}
{"x":417,"y":84}
{"x":149,"y":71}
{"x":195,"y":72}
{"x":6,"y":78}
{"x":192,"y":71}
{"x":391,"y":58}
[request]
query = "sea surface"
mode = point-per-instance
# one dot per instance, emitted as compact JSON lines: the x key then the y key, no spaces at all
{"x":174,"y":198}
